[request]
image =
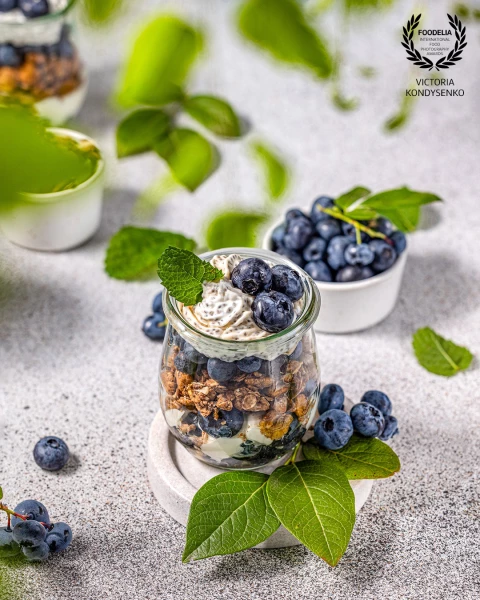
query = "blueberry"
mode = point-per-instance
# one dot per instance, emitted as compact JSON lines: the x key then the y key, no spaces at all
{"x":379,"y":400}
{"x":333,"y":429}
{"x":299,"y":232}
{"x":273,"y":311}
{"x":366,"y":273}
{"x":8,"y":546}
{"x":59,"y":537}
{"x":157,"y":304}
{"x":10,"y":56}
{"x":51,"y":453}
{"x":359,"y":254}
{"x":331,"y":396}
{"x":277,"y":236}
{"x":36,"y":553}
{"x":33,"y":8}
{"x":315,"y":249}
{"x":294,"y":213}
{"x":249,"y":364}
{"x":292,"y":255}
{"x":336,"y":252}
{"x":399,"y":241}
{"x":328,"y":229}
{"x":390,"y":429}
{"x":193,"y":355}
{"x":221,"y":370}
{"x":29,"y":533}
{"x":33,"y":510}
{"x":310,"y":387}
{"x":191,"y":418}
{"x":249,"y":450}
{"x":367,"y":419}
{"x":318,"y":270}
{"x":277,"y":366}
{"x":6,"y":5}
{"x":252,"y":276}
{"x":175,"y":339}
{"x":316,"y":215}
{"x":183,"y":364}
{"x":385,"y":255}
{"x":287,"y":281}
{"x":297,"y":353}
{"x":349,"y":273}
{"x":350,"y":231}
{"x":227,"y":425}
{"x":154,"y":326}
{"x":384,"y":226}
{"x":65,"y":48}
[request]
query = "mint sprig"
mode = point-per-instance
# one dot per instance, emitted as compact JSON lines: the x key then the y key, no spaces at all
{"x":183,"y":273}
{"x":438,"y":355}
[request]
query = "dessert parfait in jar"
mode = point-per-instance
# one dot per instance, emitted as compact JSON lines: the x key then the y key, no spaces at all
{"x":39,"y":61}
{"x":239,"y":374}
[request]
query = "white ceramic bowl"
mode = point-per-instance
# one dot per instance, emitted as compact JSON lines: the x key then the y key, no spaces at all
{"x":60,"y":220}
{"x":349,"y":307}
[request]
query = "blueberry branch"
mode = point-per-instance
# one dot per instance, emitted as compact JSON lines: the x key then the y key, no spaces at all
{"x":337,"y":214}
{"x":292,"y":459}
{"x":11,"y":513}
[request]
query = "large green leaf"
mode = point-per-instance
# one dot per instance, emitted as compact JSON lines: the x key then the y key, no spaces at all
{"x":275,"y":169}
{"x":438,"y":355}
{"x":234,"y":228}
{"x":214,"y":114}
{"x":229,"y":513}
{"x":406,"y":219}
{"x":400,"y":198}
{"x":280,"y":28}
{"x":189,"y":155}
{"x":139,"y":130}
{"x":159,"y":63}
{"x":361,"y":458}
{"x":316,"y":503}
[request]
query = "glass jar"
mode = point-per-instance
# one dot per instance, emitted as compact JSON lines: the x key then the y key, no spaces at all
{"x":253,"y":419}
{"x":40,"y":63}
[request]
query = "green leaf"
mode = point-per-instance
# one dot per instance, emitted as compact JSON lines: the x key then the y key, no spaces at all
{"x":361,"y":458}
{"x":1,"y":493}
{"x":280,"y":28}
{"x":159,"y":64}
{"x":342,"y":102}
{"x":349,"y":201}
{"x":99,"y":13}
{"x":438,"y":355}
{"x":315,"y":502}
{"x":233,"y":228}
{"x":229,"y":513}
{"x":189,"y":155}
{"x":133,"y":252}
{"x":214,"y":114}
{"x":182,"y":273}
{"x":406,"y":219}
{"x":140,"y":129}
{"x":399,"y":198}
{"x":275,"y":169}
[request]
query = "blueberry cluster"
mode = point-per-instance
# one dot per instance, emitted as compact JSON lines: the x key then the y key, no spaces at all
{"x":154,"y":326}
{"x":30,"y":8}
{"x":329,"y":249}
{"x":371,"y":417}
{"x":36,"y":536}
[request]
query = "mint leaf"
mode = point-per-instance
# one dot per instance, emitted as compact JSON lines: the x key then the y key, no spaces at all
{"x":280,"y":28}
{"x":139,"y":130}
{"x":161,"y":59}
{"x":229,"y":513}
{"x":234,"y":228}
{"x":189,"y":155}
{"x":214,"y":114}
{"x":275,"y":169}
{"x":133,"y":251}
{"x":438,"y":355}
{"x":182,"y":273}
{"x":316,"y":503}
{"x":361,"y":458}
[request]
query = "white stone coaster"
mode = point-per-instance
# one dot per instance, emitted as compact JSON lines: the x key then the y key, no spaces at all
{"x":175,"y":476}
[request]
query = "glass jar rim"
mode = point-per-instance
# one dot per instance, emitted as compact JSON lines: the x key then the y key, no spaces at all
{"x":299,"y":327}
{"x":45,"y":18}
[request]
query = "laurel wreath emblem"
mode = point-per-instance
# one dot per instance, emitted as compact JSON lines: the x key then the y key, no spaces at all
{"x":445,"y":61}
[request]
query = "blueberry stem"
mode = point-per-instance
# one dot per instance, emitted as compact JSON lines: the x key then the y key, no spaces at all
{"x":292,"y":459}
{"x":336,"y":214}
{"x":358,"y":235}
{"x":10,"y":513}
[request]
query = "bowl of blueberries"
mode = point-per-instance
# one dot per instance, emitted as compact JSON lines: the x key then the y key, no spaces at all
{"x":358,"y":267}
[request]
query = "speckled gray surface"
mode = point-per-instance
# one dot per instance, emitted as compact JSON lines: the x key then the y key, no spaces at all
{"x":73,"y":361}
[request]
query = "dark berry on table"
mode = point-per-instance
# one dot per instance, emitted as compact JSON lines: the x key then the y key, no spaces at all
{"x":33,"y":8}
{"x":317,"y":215}
{"x":36,"y":553}
{"x":221,"y":370}
{"x":6,"y":5}
{"x":298,"y":233}
{"x":33,"y":510}
{"x":399,"y":241}
{"x":227,"y":424}
{"x":292,"y":255}
{"x":59,"y":537}
{"x":249,"y":364}
{"x":331,"y":396}
{"x":154,"y":326}
{"x":252,"y":276}
{"x":350,"y":231}
{"x":273,"y":311}
{"x":385,"y":255}
{"x":336,"y":252}
{"x":315,"y":249}
{"x":183,"y":364}
{"x":29,"y":533}
{"x":10,"y":56}
{"x":390,"y":429}
{"x":367,"y":272}
{"x":379,"y":400}
{"x":367,"y":419}
{"x":297,"y":353}
{"x":287,"y":281}
{"x":294,"y":213}
{"x":359,"y":254}
{"x":277,"y":236}
{"x":333,"y":429}
{"x":51,"y":453}
{"x":193,"y":355}
{"x":349,"y":273}
{"x":8,"y":546}
{"x":318,"y":270}
{"x":157,"y":304}
{"x":384,"y":226}
{"x":328,"y":229}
